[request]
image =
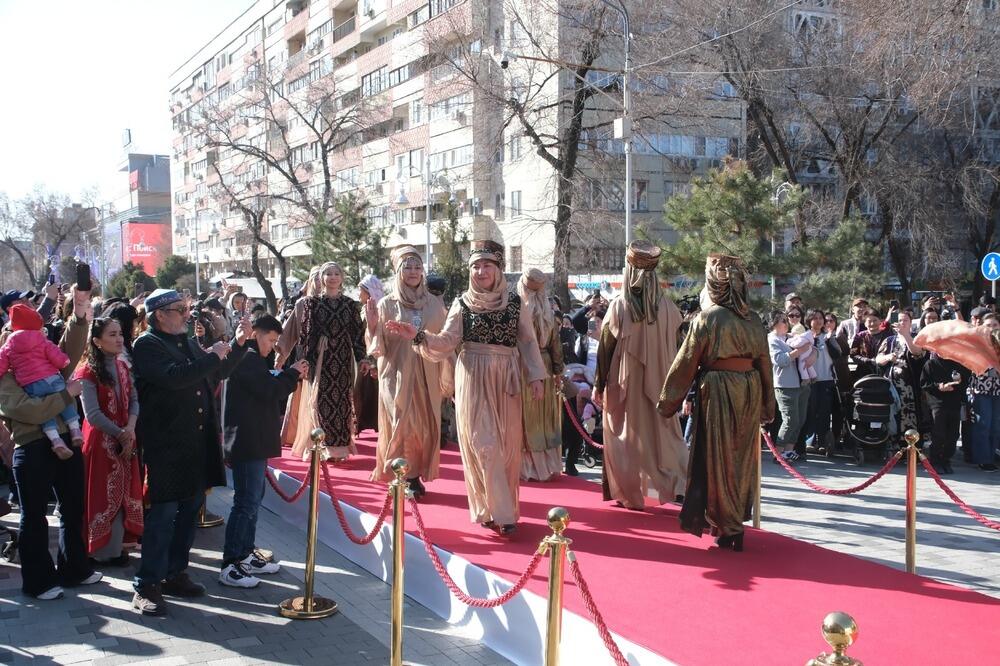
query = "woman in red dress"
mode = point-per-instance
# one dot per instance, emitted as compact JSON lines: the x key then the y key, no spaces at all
{"x":113,"y":511}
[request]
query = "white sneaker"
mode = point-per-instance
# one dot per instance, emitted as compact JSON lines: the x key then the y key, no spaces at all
{"x":256,"y":565}
{"x":92,"y":578}
{"x":51,"y":593}
{"x":235,"y":575}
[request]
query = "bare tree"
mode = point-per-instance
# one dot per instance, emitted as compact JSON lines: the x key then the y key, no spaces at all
{"x":56,"y":224}
{"x":16,"y":236}
{"x":272,"y":139}
{"x":851,"y":98}
{"x":550,"y":73}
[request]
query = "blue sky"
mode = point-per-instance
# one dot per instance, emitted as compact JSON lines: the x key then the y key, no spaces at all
{"x":76,"y":73}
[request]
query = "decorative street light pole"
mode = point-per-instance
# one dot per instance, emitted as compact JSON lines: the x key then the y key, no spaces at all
{"x":623,"y":126}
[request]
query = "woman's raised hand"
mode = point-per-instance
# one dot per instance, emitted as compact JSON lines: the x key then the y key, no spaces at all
{"x":403,"y":329}
{"x":371,"y":316}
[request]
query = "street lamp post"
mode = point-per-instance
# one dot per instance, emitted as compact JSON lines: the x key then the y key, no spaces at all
{"x":778,"y":198}
{"x":626,"y":120}
{"x":197,"y":257}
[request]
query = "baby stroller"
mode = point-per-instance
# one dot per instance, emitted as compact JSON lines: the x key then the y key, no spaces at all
{"x":869,"y":423}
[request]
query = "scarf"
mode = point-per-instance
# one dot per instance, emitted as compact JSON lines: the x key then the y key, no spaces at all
{"x":413,"y":298}
{"x":531,"y":289}
{"x":373,"y":286}
{"x":487,"y":300}
{"x":727,"y":283}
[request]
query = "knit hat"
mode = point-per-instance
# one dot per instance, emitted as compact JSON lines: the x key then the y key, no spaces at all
{"x":23,"y":318}
{"x":160,"y":298}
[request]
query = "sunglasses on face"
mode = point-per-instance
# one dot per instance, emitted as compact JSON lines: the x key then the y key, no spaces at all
{"x":793,"y":315}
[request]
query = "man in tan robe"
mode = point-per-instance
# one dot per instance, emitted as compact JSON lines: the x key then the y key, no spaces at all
{"x":638,"y":343}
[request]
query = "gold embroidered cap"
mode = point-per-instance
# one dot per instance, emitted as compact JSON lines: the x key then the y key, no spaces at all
{"x":401,"y":252}
{"x":486,"y":249}
{"x":642,"y":255}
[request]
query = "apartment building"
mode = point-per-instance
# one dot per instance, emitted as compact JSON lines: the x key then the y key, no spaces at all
{"x":429,"y":134}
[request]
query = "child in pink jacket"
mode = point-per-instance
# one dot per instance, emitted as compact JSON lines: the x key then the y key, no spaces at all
{"x":36,"y":363}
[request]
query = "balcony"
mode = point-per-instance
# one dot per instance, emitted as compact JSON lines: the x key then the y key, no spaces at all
{"x":343,"y":30}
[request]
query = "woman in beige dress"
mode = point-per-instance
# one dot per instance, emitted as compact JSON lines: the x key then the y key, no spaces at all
{"x":410,"y":386}
{"x":497,"y":341}
{"x":542,"y":459}
{"x":326,"y":330}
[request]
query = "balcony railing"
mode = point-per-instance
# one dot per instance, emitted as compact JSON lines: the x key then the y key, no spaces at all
{"x":343,"y":30}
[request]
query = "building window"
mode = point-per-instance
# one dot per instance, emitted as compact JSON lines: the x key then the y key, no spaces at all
{"x":640,"y":195}
{"x":498,"y":206}
{"x":416,"y":112}
{"x":515,"y":203}
{"x":374,"y":82}
{"x":515,"y":148}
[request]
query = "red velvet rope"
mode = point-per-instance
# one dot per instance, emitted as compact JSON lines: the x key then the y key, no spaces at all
{"x":579,"y":428}
{"x":475,"y":602}
{"x":281,"y":493}
{"x":595,"y":614}
{"x":993,"y":525}
{"x":368,"y":538}
{"x":822,"y":489}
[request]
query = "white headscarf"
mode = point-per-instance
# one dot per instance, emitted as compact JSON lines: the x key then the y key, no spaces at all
{"x":373,"y":286}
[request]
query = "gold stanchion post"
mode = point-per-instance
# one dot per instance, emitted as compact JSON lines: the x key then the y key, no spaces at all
{"x":206,"y":519}
{"x":839,"y":631}
{"x":758,"y":472}
{"x":400,"y":487}
{"x":556,"y":544}
{"x":912,"y":437}
{"x":309,"y":606}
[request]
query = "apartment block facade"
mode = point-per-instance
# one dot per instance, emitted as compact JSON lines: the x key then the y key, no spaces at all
{"x":431,"y":135}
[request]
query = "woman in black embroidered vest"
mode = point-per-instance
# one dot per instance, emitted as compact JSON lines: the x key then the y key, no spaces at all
{"x":326,"y":328}
{"x":497,"y":340}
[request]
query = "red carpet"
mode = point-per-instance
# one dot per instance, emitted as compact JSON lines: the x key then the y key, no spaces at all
{"x":685,"y":599}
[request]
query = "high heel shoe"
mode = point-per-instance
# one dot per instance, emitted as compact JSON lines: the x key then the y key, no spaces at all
{"x":731,"y":541}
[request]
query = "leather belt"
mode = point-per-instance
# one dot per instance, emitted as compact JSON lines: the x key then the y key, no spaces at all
{"x":732,"y":365}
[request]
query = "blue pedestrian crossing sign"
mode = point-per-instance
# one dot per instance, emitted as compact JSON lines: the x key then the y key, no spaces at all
{"x":991,"y":266}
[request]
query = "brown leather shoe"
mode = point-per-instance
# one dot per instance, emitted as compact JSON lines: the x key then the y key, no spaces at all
{"x":181,"y":585}
{"x":149,"y":600}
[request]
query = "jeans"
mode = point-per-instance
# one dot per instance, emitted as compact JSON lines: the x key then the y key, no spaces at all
{"x":48,"y":386}
{"x":793,"y":404}
{"x":817,"y":417}
{"x":167,"y":537}
{"x":241,"y":528}
{"x":38,"y":472}
{"x":985,"y":428}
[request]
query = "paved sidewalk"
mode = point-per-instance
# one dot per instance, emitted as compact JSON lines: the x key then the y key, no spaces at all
{"x":229,"y":626}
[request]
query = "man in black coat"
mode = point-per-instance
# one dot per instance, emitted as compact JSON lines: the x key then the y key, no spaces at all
{"x":178,"y":429}
{"x":252,"y":434}
{"x":943,"y":383}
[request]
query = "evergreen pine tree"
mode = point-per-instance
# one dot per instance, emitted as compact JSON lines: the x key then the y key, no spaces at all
{"x":350,"y":240}
{"x":449,"y":261}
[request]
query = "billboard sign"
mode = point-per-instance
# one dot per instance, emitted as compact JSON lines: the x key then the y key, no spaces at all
{"x":147,"y":244}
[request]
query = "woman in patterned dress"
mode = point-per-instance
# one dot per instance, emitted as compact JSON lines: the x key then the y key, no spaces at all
{"x":497,"y":341}
{"x":326,"y":330}
{"x":113,"y":514}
